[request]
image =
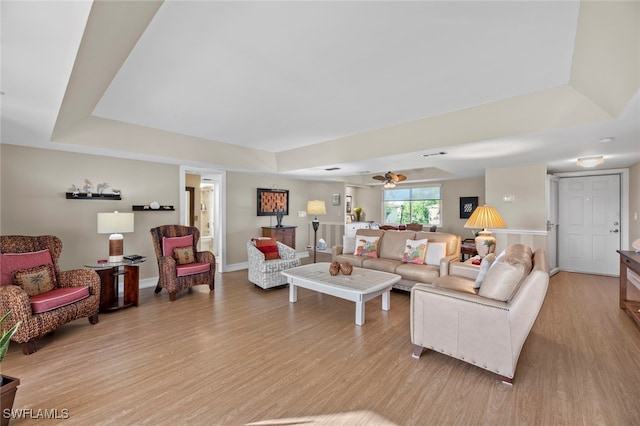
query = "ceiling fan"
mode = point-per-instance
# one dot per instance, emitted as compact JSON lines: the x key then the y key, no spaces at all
{"x":390,"y":179}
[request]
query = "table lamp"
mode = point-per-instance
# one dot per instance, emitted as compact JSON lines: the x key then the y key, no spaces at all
{"x":485,"y":217}
{"x":315,"y":208}
{"x":115,"y":224}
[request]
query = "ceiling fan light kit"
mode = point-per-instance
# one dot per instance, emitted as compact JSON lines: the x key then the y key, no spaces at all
{"x":390,"y":179}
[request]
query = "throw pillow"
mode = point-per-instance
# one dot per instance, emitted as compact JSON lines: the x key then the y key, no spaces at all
{"x":435,"y":252}
{"x":502,"y":280}
{"x":184,"y":255}
{"x":268,"y":246}
{"x":486,"y":263}
{"x":10,"y":262}
{"x":169,"y":243}
{"x":415,"y":251}
{"x":348,"y":244}
{"x":37,"y":280}
{"x":366,"y":246}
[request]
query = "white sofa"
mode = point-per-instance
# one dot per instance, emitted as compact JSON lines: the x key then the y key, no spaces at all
{"x":486,"y":327}
{"x":390,"y":252}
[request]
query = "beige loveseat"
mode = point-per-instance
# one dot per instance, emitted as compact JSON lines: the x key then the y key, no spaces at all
{"x":486,"y":327}
{"x":391,"y":248}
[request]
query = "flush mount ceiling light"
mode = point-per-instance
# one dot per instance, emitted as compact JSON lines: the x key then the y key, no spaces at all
{"x":590,"y":161}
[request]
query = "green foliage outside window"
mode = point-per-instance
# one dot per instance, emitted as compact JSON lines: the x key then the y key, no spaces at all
{"x":412,"y":205}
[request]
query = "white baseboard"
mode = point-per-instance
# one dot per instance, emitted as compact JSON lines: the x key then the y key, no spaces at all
{"x":237,"y":266}
{"x":153,"y":281}
{"x":148,"y":282}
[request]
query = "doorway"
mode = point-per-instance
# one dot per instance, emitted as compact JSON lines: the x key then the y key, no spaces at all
{"x":590,"y":224}
{"x":208,"y":208}
{"x":189,"y":216}
{"x":207,"y":216}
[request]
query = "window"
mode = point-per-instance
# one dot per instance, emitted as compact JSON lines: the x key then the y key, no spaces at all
{"x":412,"y":205}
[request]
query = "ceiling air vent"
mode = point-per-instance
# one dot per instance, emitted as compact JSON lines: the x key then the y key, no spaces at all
{"x":331,"y":169}
{"x":433,"y":154}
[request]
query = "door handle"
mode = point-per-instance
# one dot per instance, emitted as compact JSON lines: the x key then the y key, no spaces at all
{"x":614,"y":231}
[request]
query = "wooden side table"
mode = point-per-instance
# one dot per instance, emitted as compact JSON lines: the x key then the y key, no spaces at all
{"x":109,"y":282}
{"x":468,"y":248}
{"x":629,"y":260}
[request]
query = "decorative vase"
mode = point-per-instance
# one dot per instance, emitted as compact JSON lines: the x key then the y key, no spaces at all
{"x":346,"y":268}
{"x":334,"y":268}
{"x":485,"y":243}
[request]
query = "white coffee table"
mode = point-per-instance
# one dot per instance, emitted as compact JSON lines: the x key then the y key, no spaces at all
{"x":362,"y":285}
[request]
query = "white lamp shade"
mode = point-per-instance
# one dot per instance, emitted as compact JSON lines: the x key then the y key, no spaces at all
{"x":316,"y":207}
{"x":115,"y":223}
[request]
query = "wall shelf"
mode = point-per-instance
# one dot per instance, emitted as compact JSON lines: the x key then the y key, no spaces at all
{"x":93,"y":196}
{"x":149,"y":209}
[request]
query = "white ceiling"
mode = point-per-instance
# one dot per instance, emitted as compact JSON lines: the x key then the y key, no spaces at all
{"x":298,"y":87}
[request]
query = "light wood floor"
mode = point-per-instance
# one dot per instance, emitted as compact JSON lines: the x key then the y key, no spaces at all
{"x":242,"y":355}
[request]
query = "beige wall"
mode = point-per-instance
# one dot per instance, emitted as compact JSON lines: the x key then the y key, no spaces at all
{"x":370,"y":199}
{"x":634,"y":203}
{"x":33,"y":186}
{"x":34,"y":181}
{"x":526,"y":215}
{"x":452,"y":190}
{"x":243,"y":223}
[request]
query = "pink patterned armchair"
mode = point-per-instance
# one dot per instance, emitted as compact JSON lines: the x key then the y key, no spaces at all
{"x":57,"y":298}
{"x":180,"y":265}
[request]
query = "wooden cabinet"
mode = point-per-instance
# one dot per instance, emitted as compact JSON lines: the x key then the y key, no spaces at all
{"x":629,"y":260}
{"x":285,"y":234}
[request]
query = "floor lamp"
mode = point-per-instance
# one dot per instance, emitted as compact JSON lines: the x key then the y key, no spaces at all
{"x":485,"y":217}
{"x":315,"y":208}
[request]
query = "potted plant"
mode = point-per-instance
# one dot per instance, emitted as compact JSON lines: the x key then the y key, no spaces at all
{"x":358,"y":212}
{"x":8,"y":384}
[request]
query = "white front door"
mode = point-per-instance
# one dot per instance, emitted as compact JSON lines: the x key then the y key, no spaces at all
{"x":589,"y":224}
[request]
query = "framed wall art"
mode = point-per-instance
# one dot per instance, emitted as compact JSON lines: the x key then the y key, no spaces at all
{"x":347,"y":203}
{"x":467,"y":206}
{"x":273,"y":201}
{"x":335,"y":200}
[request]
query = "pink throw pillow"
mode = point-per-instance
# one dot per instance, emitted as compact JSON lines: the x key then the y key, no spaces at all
{"x":168,"y":244}
{"x":11,"y":262}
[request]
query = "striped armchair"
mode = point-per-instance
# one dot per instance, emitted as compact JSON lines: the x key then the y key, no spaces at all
{"x":266,"y":273}
{"x":174,"y":276}
{"x":76,"y":293}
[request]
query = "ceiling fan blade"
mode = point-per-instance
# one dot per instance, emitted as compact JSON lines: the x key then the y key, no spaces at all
{"x":400,"y":178}
{"x":378,"y":177}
